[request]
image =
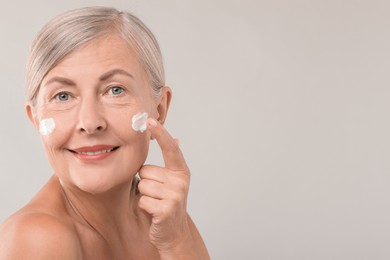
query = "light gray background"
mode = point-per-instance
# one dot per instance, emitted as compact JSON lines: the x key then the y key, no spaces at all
{"x":281,"y":108}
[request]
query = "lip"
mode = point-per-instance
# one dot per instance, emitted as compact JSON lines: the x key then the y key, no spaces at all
{"x":93,"y":153}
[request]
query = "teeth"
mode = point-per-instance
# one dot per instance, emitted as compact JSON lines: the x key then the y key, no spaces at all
{"x":97,"y":152}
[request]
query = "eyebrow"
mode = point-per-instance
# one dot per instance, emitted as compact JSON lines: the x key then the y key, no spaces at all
{"x":103,"y":77}
{"x":61,"y":80}
{"x":113,"y":72}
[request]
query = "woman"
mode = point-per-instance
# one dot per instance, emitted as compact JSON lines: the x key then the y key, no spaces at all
{"x":90,"y":74}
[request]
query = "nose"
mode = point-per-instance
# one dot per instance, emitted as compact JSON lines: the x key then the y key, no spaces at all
{"x":91,"y":117}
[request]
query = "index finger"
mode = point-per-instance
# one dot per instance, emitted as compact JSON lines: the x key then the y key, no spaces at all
{"x":173,"y":157}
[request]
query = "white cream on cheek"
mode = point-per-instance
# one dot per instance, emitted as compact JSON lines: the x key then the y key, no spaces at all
{"x":139,"y":122}
{"x":47,"y":126}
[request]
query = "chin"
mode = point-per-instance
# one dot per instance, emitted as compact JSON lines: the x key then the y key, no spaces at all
{"x":100,"y":182}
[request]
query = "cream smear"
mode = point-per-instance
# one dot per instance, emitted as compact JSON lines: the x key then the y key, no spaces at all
{"x":139,"y":122}
{"x":46,"y":126}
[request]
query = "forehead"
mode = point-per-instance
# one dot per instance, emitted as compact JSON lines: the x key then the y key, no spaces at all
{"x":98,"y":56}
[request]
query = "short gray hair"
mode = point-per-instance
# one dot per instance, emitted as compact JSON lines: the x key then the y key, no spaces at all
{"x":73,"y":29}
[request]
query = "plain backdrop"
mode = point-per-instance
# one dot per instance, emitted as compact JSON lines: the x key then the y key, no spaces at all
{"x":282,"y":110}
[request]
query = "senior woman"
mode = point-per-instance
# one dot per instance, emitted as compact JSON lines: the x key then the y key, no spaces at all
{"x":91,"y":73}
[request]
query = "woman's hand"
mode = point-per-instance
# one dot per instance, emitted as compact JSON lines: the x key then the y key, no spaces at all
{"x":164,"y":196}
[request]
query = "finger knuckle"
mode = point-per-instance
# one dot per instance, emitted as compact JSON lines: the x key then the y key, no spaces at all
{"x":142,"y":171}
{"x":176,"y":197}
{"x":142,"y":201}
{"x":142,"y":185}
{"x":147,"y":170}
{"x":165,"y":211}
{"x":182,"y":185}
{"x":183,"y":188}
{"x":176,"y":200}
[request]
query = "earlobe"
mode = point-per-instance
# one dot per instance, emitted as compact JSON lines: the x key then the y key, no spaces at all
{"x":164,"y":102}
{"x":31,"y":114}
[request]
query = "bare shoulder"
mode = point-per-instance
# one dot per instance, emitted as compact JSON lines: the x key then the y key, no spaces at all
{"x":37,"y":236}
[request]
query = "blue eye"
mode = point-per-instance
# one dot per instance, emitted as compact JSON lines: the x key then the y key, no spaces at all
{"x":115,"y":91}
{"x":62,"y":96}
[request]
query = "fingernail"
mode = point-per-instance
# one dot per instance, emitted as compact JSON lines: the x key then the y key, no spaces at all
{"x":152,"y":122}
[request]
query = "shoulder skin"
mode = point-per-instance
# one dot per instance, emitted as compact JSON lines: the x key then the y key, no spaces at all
{"x":37,"y":236}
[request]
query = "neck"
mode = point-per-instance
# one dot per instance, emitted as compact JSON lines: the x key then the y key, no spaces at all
{"x":107,"y":213}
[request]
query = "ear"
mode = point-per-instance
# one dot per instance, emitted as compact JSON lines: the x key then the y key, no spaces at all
{"x":163,"y":104}
{"x":31,"y":114}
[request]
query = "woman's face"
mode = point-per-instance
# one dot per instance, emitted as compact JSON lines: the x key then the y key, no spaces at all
{"x":92,"y":96}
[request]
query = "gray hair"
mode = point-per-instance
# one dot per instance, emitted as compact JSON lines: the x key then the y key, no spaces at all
{"x":73,"y":29}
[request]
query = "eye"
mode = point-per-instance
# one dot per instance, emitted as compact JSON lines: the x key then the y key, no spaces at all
{"x":115,"y":91}
{"x":62,"y":96}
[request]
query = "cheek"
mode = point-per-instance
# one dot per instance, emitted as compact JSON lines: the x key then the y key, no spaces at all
{"x":123,"y":119}
{"x":61,"y":126}
{"x":121,"y":122}
{"x":121,"y":125}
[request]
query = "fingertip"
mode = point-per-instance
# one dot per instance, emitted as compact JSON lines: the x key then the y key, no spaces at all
{"x":152,"y":122}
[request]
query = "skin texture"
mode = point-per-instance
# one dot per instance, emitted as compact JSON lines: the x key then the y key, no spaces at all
{"x":88,"y":210}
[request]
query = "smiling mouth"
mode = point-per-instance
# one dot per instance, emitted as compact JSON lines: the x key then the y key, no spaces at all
{"x":94,"y":152}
